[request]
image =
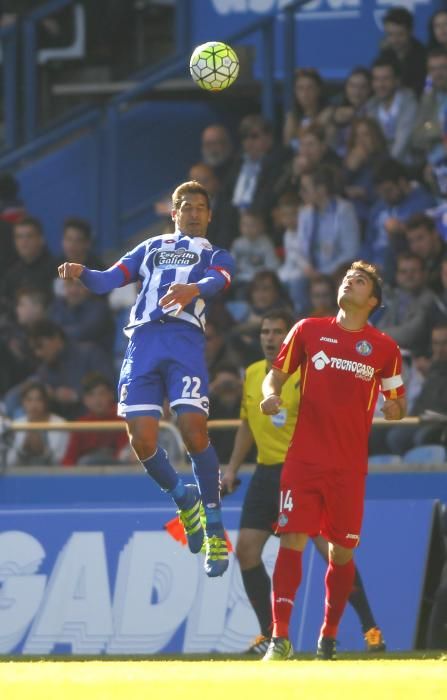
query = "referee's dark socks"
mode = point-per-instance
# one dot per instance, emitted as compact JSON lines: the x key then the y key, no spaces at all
{"x":258,"y":588}
{"x":360,"y":603}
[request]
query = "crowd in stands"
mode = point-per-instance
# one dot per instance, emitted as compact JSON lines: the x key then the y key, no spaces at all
{"x":362,"y":174}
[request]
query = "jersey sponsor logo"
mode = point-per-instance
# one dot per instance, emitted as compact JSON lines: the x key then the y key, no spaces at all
{"x":328,"y":340}
{"x":175,"y":258}
{"x":351,"y":536}
{"x":361,"y":371}
{"x":320,"y":360}
{"x":363,"y":347}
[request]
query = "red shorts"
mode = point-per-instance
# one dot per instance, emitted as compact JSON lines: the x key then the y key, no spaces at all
{"x":317,"y":501}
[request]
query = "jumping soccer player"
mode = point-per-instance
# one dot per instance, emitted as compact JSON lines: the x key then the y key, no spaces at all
{"x":179,"y":272}
{"x":343,"y":361}
{"x":272,"y":436}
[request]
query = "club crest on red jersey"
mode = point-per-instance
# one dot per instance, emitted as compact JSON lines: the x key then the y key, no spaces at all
{"x":363,"y":347}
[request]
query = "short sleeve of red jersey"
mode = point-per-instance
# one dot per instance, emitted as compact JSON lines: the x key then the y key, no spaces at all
{"x":292,"y":350}
{"x":391,"y":384}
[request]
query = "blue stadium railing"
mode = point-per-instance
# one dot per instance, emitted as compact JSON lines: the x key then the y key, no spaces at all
{"x":35,"y":140}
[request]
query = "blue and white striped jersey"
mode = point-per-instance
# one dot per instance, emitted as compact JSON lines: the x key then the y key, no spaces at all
{"x":172,"y":257}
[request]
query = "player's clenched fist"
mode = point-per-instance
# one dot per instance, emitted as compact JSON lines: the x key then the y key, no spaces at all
{"x":70,"y":271}
{"x":271,"y":405}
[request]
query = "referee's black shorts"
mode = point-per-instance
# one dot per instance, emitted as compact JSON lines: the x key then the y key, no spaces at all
{"x":261,"y":504}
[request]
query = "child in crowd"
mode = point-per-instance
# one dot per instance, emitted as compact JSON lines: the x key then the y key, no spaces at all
{"x":252,"y":250}
{"x":91,"y":447}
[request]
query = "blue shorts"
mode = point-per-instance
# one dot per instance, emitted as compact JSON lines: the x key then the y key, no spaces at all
{"x":164,"y":359}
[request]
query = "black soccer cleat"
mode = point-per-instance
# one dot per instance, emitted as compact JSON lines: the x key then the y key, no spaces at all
{"x":327,"y":649}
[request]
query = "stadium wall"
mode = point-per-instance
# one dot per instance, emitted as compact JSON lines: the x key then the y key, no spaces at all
{"x":88,"y":569}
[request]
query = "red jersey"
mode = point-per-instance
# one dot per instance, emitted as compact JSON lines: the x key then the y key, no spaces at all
{"x":81,"y":444}
{"x":342,"y":372}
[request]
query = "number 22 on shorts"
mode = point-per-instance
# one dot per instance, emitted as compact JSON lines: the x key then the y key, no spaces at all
{"x":285,"y":501}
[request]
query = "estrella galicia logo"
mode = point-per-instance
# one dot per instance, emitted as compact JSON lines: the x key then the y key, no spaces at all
{"x":363,"y":347}
{"x":181,"y":257}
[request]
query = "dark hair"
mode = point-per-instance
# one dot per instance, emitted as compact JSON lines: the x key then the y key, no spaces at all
{"x":262,"y":275}
{"x":328,"y":177}
{"x":432,"y":41}
{"x":371,"y":271}
{"x":190,"y":187}
{"x":375,"y":130}
{"x":31,"y":221}
{"x":254,"y":121}
{"x":387,"y":59}
{"x":439,"y":52}
{"x":34,"y":385}
{"x":324,"y":279}
{"x":38,"y":295}
{"x":313,"y":75}
{"x":315,"y":130}
{"x":280,"y":315}
{"x":420,"y":219}
{"x":80,"y":225}
{"x":290,"y":198}
{"x":94,"y":379}
{"x":390,"y":171}
{"x":45,"y":329}
{"x":399,"y":15}
{"x":407,"y":255}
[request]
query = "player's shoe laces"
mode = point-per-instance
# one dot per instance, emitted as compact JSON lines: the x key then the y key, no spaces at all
{"x":327,"y":649}
{"x":374,"y":640}
{"x":259,"y":646}
{"x":191,"y":520}
{"x":216,"y":555}
{"x":279,"y":649}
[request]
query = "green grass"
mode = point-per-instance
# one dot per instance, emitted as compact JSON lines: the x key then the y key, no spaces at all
{"x":418,"y":677}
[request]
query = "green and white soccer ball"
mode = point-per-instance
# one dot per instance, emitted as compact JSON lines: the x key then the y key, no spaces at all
{"x":214,"y":66}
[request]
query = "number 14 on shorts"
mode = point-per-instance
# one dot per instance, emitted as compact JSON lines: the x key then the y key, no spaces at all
{"x":285,"y":501}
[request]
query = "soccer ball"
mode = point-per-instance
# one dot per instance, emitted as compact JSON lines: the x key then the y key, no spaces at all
{"x":214,"y":66}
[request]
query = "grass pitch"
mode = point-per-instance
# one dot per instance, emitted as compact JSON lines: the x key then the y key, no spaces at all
{"x":362,"y":679}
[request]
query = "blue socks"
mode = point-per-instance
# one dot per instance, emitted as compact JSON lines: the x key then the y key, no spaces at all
{"x":162,"y":471}
{"x":205,"y":466}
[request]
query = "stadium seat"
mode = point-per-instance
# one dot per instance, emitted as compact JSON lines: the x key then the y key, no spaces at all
{"x":426,"y":454}
{"x":384,"y":459}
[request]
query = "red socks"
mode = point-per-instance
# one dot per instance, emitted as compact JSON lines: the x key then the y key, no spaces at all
{"x":286,"y":579}
{"x":339,"y":582}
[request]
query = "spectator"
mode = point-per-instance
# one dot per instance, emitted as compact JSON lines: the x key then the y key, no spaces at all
{"x":101,"y":447}
{"x":437,"y":30}
{"x":350,"y":105}
{"x":36,"y":448}
{"x":83,"y":316}
{"x":440,"y":310}
{"x":409,"y":306}
{"x":35,"y":267}
{"x":308,"y":104}
{"x":61,"y":367}
{"x":393,"y":106}
{"x":252,"y":250}
{"x":225,"y":394}
{"x":322,"y":297}
{"x":427,"y":139}
{"x":217,"y":149}
{"x":402,"y":45}
{"x":218,"y":353}
{"x":265,"y":293}
{"x":287,"y":213}
{"x":328,"y":229}
{"x":30,"y":308}
{"x":314,"y":151}
{"x":11,"y":205}
{"x":398,"y":198}
{"x":77,"y":247}
{"x":424,"y":240}
{"x":366,"y":150}
{"x":433,"y":397}
{"x":252,"y":178}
